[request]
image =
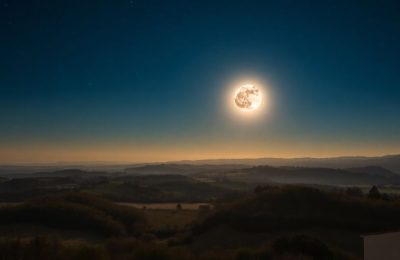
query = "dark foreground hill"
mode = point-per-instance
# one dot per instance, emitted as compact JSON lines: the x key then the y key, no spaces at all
{"x":335,"y":219}
{"x":76,"y":212}
{"x":272,"y":223}
{"x":289,"y":208}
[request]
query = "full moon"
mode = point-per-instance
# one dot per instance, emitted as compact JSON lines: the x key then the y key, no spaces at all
{"x":248,"y":97}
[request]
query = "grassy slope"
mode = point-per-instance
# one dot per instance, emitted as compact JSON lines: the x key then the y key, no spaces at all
{"x":76,"y":211}
{"x":335,"y":218}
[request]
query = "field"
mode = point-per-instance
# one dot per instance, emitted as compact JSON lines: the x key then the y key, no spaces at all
{"x":164,"y":206}
{"x":165,"y":216}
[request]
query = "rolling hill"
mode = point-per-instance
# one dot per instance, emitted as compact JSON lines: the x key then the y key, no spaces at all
{"x":323,"y":176}
{"x":390,"y":162}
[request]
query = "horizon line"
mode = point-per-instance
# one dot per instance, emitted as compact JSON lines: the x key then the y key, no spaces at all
{"x":111,"y":162}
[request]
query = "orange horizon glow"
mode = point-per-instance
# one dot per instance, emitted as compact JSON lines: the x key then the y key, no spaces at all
{"x":41,"y":154}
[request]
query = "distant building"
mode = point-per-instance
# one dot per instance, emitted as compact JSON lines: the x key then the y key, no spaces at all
{"x":381,"y":246}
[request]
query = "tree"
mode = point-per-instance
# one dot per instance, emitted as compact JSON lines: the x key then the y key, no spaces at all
{"x":374,"y":193}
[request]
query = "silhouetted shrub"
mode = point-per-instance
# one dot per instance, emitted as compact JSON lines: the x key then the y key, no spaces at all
{"x":374,"y":193}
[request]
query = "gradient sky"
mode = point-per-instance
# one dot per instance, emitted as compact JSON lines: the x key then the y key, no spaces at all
{"x":147,"y":80}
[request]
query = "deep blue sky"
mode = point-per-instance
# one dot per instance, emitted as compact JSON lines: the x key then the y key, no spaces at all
{"x":144,"y":80}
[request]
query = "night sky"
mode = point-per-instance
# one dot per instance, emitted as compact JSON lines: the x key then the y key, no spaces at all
{"x":147,"y":80}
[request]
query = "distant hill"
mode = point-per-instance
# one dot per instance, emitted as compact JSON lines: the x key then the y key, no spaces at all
{"x":172,"y":168}
{"x":374,"y":170}
{"x":390,"y":162}
{"x":48,"y":171}
{"x":324,"y":176}
{"x":70,"y":173}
